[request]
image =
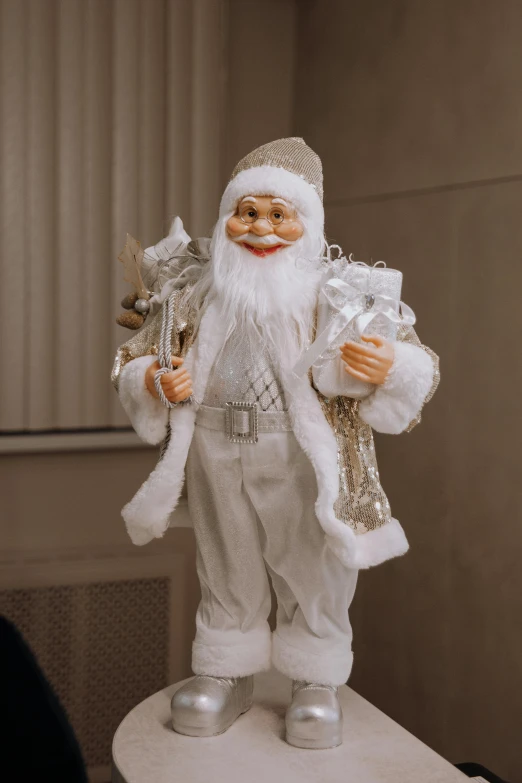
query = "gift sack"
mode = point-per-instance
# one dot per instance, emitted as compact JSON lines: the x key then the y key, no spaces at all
{"x":354,"y":299}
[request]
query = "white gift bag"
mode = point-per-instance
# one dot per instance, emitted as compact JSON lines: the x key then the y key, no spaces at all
{"x":355,"y":299}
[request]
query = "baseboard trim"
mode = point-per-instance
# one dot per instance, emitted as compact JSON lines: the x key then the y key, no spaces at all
{"x":88,"y":440}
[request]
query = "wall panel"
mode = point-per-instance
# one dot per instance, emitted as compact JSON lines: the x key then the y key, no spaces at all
{"x":415,"y":120}
{"x":125,"y":155}
{"x":406,"y":94}
{"x":69,"y":212}
{"x":96,"y":311}
{"x":113,"y":123}
{"x":432,"y":627}
{"x":208,"y":73}
{"x":261,"y":92}
{"x":13,"y":32}
{"x":39,"y":304}
{"x":178,"y":107}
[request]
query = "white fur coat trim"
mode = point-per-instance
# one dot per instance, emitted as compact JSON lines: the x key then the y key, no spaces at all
{"x":392,"y":406}
{"x":148,"y":415}
{"x":328,"y":669}
{"x":316,"y":438}
{"x":147,"y":514}
{"x":378,"y":545}
{"x":273,"y":181}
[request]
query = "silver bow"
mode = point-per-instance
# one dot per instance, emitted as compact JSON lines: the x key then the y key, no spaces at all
{"x":352,"y":306}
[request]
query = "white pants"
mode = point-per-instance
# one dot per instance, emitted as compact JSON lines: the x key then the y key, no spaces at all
{"x":252,"y":506}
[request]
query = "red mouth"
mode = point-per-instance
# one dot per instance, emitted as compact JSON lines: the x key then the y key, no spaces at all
{"x":262,"y":251}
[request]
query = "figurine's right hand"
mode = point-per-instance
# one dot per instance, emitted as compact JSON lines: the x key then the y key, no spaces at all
{"x":176,"y":385}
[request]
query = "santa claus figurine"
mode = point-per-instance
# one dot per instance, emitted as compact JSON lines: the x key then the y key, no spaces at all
{"x":282,"y":481}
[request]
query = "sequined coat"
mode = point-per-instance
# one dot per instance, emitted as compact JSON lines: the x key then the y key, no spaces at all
{"x":336,"y":434}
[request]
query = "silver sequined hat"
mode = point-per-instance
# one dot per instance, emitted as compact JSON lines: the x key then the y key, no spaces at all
{"x":288,"y":168}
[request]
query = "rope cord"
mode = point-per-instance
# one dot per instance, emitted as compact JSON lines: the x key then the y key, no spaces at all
{"x":165,"y":351}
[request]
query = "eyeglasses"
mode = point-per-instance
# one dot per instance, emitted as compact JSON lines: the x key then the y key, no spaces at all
{"x":249,"y":214}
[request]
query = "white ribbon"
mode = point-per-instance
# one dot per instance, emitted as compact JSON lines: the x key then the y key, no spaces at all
{"x":352,"y":305}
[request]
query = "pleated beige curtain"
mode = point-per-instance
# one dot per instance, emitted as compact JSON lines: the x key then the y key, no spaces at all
{"x":111,"y":122}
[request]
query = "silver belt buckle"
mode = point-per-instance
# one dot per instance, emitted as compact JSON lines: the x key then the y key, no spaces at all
{"x":241,"y":422}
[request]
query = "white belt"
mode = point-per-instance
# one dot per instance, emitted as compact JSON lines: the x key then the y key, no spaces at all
{"x":242,"y":421}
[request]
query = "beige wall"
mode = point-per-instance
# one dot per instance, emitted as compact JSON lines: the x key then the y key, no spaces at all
{"x":415,"y":110}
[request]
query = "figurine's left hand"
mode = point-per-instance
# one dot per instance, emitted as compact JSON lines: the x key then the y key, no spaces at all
{"x":370,"y":363}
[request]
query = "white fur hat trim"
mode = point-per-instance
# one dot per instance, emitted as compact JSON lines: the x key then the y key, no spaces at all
{"x":273,"y":181}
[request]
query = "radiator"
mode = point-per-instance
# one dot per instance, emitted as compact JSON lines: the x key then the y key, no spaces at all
{"x":107,"y":632}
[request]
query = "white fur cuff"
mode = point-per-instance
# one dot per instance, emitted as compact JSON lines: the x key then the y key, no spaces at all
{"x":332,"y":668}
{"x":372,"y":548}
{"x":148,"y":416}
{"x":239,"y":659}
{"x":400,"y":398}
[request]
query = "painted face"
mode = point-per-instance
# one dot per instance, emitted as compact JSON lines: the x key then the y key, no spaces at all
{"x":264,"y":224}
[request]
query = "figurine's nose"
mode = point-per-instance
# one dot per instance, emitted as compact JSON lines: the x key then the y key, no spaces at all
{"x":262,"y":227}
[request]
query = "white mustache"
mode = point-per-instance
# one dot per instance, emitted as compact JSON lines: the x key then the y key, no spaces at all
{"x":266,"y":241}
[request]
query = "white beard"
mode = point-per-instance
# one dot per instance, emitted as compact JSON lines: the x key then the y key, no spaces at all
{"x":272,"y":298}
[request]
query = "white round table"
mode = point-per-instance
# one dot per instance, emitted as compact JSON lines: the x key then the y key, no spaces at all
{"x":253,"y":750}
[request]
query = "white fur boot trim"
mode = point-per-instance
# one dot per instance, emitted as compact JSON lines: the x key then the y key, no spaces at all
{"x":242,"y":654}
{"x":399,"y":400}
{"x":148,"y":415}
{"x":332,"y":668}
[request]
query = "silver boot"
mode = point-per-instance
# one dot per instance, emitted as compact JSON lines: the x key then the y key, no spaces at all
{"x":315,"y":718}
{"x":209,"y":705}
